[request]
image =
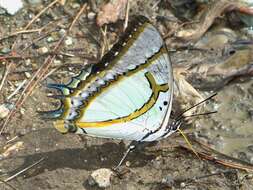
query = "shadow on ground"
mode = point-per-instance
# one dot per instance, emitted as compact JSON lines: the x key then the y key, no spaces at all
{"x":97,"y":156}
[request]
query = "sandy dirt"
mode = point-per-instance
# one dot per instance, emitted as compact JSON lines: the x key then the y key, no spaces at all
{"x":69,"y":159}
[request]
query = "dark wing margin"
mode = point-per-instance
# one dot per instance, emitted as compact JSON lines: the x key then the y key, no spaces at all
{"x":68,"y":89}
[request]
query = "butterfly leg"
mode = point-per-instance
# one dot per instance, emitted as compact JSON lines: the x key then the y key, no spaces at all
{"x":131,"y":147}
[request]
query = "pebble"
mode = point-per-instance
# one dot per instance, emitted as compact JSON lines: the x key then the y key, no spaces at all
{"x":50,"y":39}
{"x":100,"y":177}
{"x":57,"y":62}
{"x":27,"y":75}
{"x":75,"y":6}
{"x":34,"y":1}
{"x":12,"y":6}
{"x":22,"y":111}
{"x":4,"y":111}
{"x":5,"y":50}
{"x":43,"y":50}
{"x":128,"y":164}
{"x":28,"y":62}
{"x":182,"y":185}
{"x":91,"y":15}
{"x":68,"y":41}
{"x":62,"y":31}
{"x":168,"y":180}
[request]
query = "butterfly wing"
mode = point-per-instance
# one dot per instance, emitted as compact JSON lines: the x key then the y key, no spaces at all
{"x":127,"y":95}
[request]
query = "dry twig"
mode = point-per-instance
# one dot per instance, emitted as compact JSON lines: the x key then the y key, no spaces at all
{"x":41,"y":72}
{"x":24,"y":170}
{"x":40,"y":13}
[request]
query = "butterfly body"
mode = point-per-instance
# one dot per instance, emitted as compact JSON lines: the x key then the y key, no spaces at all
{"x":127,"y":95}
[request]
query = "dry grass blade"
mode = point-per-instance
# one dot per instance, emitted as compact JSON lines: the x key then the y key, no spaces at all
{"x":7,"y":70}
{"x":40,"y":73}
{"x":16,"y":90}
{"x":7,"y":184}
{"x":105,"y":44}
{"x":213,"y":155}
{"x":24,"y":170}
{"x":127,"y":15}
{"x":20,"y":32}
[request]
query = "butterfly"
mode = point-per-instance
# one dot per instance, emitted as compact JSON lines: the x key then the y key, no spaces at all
{"x":127,"y":95}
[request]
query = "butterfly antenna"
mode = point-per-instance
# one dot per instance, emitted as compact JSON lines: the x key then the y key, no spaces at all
{"x":199,"y":114}
{"x":188,"y":143}
{"x":180,"y":116}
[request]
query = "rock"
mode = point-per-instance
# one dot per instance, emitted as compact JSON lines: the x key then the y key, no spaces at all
{"x":5,"y":50}
{"x":34,"y":1}
{"x":50,"y":39}
{"x":100,"y":177}
{"x":128,"y":164}
{"x":11,"y":6}
{"x":4,"y":110}
{"x":62,"y":32}
{"x":68,"y":41}
{"x":168,"y":180}
{"x":43,"y":50}
{"x":91,"y":15}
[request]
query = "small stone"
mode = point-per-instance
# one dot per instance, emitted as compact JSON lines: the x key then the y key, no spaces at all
{"x":68,"y":41}
{"x":5,"y":50}
{"x":75,"y":6}
{"x":34,"y":1}
{"x":57,"y":61}
{"x":168,"y":180}
{"x":43,"y":50}
{"x":50,"y":39}
{"x":128,"y":164}
{"x":27,"y":75}
{"x":91,"y":15}
{"x":28,"y":62}
{"x":100,"y":177}
{"x":182,"y":185}
{"x":62,"y":31}
{"x":22,"y":111}
{"x":4,"y":111}
{"x":12,"y":6}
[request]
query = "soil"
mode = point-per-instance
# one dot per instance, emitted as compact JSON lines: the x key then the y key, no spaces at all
{"x":69,"y":159}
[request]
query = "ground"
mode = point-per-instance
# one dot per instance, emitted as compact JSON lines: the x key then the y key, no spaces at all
{"x":69,"y":159}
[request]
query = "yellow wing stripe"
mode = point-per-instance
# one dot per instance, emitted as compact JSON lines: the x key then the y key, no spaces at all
{"x":82,"y":109}
{"x":156,"y":89}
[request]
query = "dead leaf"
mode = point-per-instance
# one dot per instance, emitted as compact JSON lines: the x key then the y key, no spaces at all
{"x":111,"y":12}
